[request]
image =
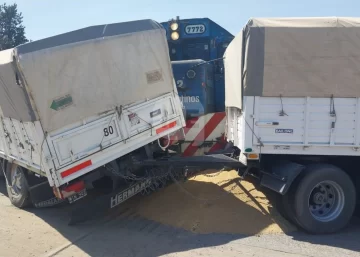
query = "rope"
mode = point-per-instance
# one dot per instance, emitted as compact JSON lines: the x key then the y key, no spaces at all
{"x":282,"y":112}
{"x":258,"y":138}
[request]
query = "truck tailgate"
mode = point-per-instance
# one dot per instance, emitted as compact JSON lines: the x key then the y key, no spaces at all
{"x":99,"y":140}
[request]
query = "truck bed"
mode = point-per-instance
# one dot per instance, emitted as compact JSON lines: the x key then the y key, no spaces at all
{"x":297,"y":125}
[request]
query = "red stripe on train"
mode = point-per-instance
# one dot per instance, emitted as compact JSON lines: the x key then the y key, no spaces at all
{"x":204,"y":133}
{"x":189,"y":124}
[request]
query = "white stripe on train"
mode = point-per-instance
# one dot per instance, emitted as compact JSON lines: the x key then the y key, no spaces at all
{"x":197,"y":129}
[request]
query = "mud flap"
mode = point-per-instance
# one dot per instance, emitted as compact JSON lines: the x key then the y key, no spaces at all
{"x":280,"y":176}
{"x":42,"y":195}
{"x":102,"y":204}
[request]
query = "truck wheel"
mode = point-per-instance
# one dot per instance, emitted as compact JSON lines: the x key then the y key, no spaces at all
{"x":17,"y":189}
{"x":324,"y":200}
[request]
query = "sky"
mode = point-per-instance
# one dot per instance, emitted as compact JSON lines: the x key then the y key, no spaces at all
{"x":44,"y":18}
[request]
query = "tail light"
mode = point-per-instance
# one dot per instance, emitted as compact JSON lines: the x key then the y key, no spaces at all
{"x":69,"y":190}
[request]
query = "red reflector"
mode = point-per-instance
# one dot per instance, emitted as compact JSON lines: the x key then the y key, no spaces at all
{"x":75,"y":187}
{"x":76,"y":168}
{"x":166,"y":127}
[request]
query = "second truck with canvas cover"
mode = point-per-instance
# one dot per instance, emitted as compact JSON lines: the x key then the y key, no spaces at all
{"x":293,"y":109}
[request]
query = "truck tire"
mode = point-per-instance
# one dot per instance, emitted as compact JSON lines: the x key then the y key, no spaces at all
{"x":286,"y":207}
{"x":286,"y":202}
{"x":324,"y":199}
{"x":17,"y":187}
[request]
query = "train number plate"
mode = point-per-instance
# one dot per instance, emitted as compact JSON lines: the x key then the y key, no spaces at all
{"x":195,"y":29}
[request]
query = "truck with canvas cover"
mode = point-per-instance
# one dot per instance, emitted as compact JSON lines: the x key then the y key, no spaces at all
{"x":293,"y":110}
{"x":74,"y":107}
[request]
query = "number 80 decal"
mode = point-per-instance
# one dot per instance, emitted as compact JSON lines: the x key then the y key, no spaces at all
{"x":108,"y":131}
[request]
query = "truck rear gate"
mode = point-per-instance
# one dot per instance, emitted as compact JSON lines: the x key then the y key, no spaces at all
{"x":117,"y":133}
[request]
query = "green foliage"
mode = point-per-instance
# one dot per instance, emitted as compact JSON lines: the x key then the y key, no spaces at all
{"x":12,"y":32}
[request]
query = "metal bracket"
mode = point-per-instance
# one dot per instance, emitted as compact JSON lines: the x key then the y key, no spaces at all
{"x":4,"y":171}
{"x":119,"y":111}
{"x":2,"y":167}
{"x":49,"y":158}
{"x":149,"y":152}
{"x":243,"y":159}
{"x":244,"y":174}
{"x":206,"y":144}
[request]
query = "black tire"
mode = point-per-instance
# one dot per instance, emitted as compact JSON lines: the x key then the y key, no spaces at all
{"x":343,"y":201}
{"x":286,"y":207}
{"x":286,"y":202}
{"x":19,"y":196}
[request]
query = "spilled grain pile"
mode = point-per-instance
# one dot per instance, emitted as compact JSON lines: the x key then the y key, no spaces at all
{"x":214,"y":202}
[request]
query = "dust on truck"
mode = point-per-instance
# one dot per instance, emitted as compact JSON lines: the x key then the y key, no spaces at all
{"x":75,"y":107}
{"x":293,"y":110}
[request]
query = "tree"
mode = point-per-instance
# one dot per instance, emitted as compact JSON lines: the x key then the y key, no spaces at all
{"x":12,"y":32}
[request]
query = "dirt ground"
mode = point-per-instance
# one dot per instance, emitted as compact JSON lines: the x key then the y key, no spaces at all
{"x":124,"y":232}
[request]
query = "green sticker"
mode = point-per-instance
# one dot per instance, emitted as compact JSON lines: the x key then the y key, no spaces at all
{"x":61,"y":103}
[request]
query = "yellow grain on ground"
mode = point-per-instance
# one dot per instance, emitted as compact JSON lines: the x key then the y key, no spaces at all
{"x":218,"y":204}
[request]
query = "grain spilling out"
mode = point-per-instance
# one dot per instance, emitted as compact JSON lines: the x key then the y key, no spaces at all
{"x":214,"y":202}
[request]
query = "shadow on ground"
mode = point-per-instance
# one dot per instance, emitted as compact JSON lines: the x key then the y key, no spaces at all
{"x":123,"y":232}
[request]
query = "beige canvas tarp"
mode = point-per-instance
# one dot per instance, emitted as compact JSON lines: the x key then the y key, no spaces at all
{"x":294,"y":57}
{"x":82,"y":73}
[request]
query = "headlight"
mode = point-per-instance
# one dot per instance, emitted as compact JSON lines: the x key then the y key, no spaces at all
{"x":175,"y":35}
{"x":191,"y":74}
{"x":174,"y":26}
